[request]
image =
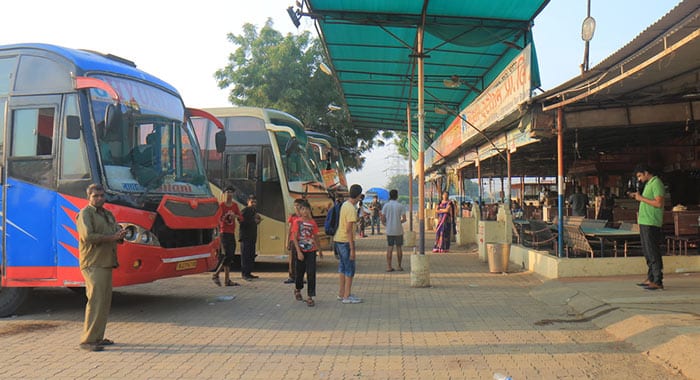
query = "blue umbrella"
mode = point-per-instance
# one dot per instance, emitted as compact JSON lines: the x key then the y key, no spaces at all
{"x":382,"y":194}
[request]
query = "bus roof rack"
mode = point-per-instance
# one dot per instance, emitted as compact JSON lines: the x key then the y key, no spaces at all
{"x":112,"y":57}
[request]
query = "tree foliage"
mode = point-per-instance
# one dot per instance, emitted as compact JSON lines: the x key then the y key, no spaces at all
{"x":270,"y":70}
{"x":400,"y":183}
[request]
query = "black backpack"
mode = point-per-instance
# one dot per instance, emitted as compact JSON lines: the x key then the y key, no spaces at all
{"x":332,"y":219}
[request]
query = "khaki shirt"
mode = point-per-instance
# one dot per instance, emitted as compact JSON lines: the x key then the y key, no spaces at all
{"x":94,"y":224}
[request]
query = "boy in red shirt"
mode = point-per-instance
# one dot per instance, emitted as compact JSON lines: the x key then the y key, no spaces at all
{"x":305,"y":236}
{"x":227,"y":223}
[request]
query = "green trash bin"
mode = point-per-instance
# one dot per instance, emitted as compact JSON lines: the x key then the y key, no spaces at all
{"x":498,"y":256}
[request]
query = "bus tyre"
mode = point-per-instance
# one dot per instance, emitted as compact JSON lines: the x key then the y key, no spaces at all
{"x":11,"y":299}
{"x":80,"y":291}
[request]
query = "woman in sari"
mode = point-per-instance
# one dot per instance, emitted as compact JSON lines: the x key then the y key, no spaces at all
{"x":444,"y":227}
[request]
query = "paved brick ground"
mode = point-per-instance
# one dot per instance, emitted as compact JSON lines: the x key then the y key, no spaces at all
{"x":468,"y":325}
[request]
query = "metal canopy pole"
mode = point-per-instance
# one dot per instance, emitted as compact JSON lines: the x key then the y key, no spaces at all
{"x":410,"y":169}
{"x":560,"y":182}
{"x":421,"y":143}
{"x":420,"y":267}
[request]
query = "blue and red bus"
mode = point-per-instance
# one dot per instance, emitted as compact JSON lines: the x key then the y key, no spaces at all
{"x":69,"y":118}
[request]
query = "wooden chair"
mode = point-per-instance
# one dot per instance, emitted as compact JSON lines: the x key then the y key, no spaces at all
{"x":575,"y":241}
{"x":570,"y":220}
{"x":684,"y":234}
{"x":628,"y":226}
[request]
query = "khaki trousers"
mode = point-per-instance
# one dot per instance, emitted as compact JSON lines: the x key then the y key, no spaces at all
{"x":98,"y":289}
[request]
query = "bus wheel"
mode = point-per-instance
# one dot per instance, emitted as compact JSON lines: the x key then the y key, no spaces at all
{"x":11,"y":299}
{"x":79,"y":290}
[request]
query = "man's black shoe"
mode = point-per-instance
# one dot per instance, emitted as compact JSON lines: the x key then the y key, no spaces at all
{"x":253,"y":276}
{"x":289,"y":281}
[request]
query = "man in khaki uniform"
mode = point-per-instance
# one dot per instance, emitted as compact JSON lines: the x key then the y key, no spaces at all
{"x":98,"y":234}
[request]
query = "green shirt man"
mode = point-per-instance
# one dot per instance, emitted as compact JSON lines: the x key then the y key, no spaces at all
{"x":650,"y":219}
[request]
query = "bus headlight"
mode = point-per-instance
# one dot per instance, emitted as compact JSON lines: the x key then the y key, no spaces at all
{"x":139,"y":235}
{"x":130,"y":233}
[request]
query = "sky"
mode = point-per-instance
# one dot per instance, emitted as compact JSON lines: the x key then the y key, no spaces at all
{"x":184,"y":43}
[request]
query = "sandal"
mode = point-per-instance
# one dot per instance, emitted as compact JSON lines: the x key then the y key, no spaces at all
{"x":310,"y":302}
{"x":297,"y":295}
{"x":231,"y":283}
{"x":216,"y":280}
{"x":105,"y":342}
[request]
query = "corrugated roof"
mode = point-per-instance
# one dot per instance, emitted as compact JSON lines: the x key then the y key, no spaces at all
{"x":371,"y":45}
{"x":658,"y":66}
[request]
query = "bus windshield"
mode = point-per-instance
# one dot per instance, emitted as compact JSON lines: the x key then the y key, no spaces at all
{"x":329,"y":163}
{"x":144,"y":144}
{"x":296,"y":164}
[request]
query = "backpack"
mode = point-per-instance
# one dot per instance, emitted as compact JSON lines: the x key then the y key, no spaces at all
{"x":332,"y":219}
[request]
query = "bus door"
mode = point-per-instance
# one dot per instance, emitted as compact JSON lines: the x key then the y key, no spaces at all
{"x":3,"y":103}
{"x":252,"y":170}
{"x":29,"y":200}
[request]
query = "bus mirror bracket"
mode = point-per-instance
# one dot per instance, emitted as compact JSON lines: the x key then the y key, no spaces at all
{"x":72,"y":127}
{"x":113,"y":117}
{"x":291,"y":145}
{"x":220,"y":141}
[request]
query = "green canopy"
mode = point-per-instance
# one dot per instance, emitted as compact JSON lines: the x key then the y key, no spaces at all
{"x":371,"y":45}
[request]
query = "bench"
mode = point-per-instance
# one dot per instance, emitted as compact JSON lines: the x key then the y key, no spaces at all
{"x":534,"y":234}
{"x":541,"y":236}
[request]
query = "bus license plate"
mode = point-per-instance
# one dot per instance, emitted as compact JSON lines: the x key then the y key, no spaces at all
{"x":184,"y":265}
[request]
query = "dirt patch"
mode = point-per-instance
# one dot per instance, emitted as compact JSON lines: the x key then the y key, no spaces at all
{"x":20,"y":328}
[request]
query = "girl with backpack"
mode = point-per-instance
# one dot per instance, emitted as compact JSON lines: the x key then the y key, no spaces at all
{"x":305,"y":236}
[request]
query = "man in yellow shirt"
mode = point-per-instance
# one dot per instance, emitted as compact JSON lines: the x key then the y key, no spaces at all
{"x":344,"y":241}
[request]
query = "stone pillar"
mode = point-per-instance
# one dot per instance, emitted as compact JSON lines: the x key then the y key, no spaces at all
{"x":420,"y":271}
{"x":409,"y":238}
{"x":467,"y":231}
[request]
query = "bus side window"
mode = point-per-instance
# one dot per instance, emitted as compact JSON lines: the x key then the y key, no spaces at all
{"x":269,"y":170}
{"x":31,"y":145}
{"x":32,"y":134}
{"x":74,"y":163}
{"x":250,"y":166}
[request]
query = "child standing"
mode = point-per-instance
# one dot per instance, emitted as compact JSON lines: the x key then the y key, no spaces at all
{"x":305,"y":236}
{"x":229,"y":214}
{"x":291,"y":250}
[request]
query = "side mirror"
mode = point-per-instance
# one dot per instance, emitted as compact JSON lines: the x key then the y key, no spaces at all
{"x":220,"y":141}
{"x":72,"y":127}
{"x":113,"y":116}
{"x":291,"y":146}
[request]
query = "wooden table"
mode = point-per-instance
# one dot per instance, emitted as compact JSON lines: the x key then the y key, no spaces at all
{"x":611,"y":234}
